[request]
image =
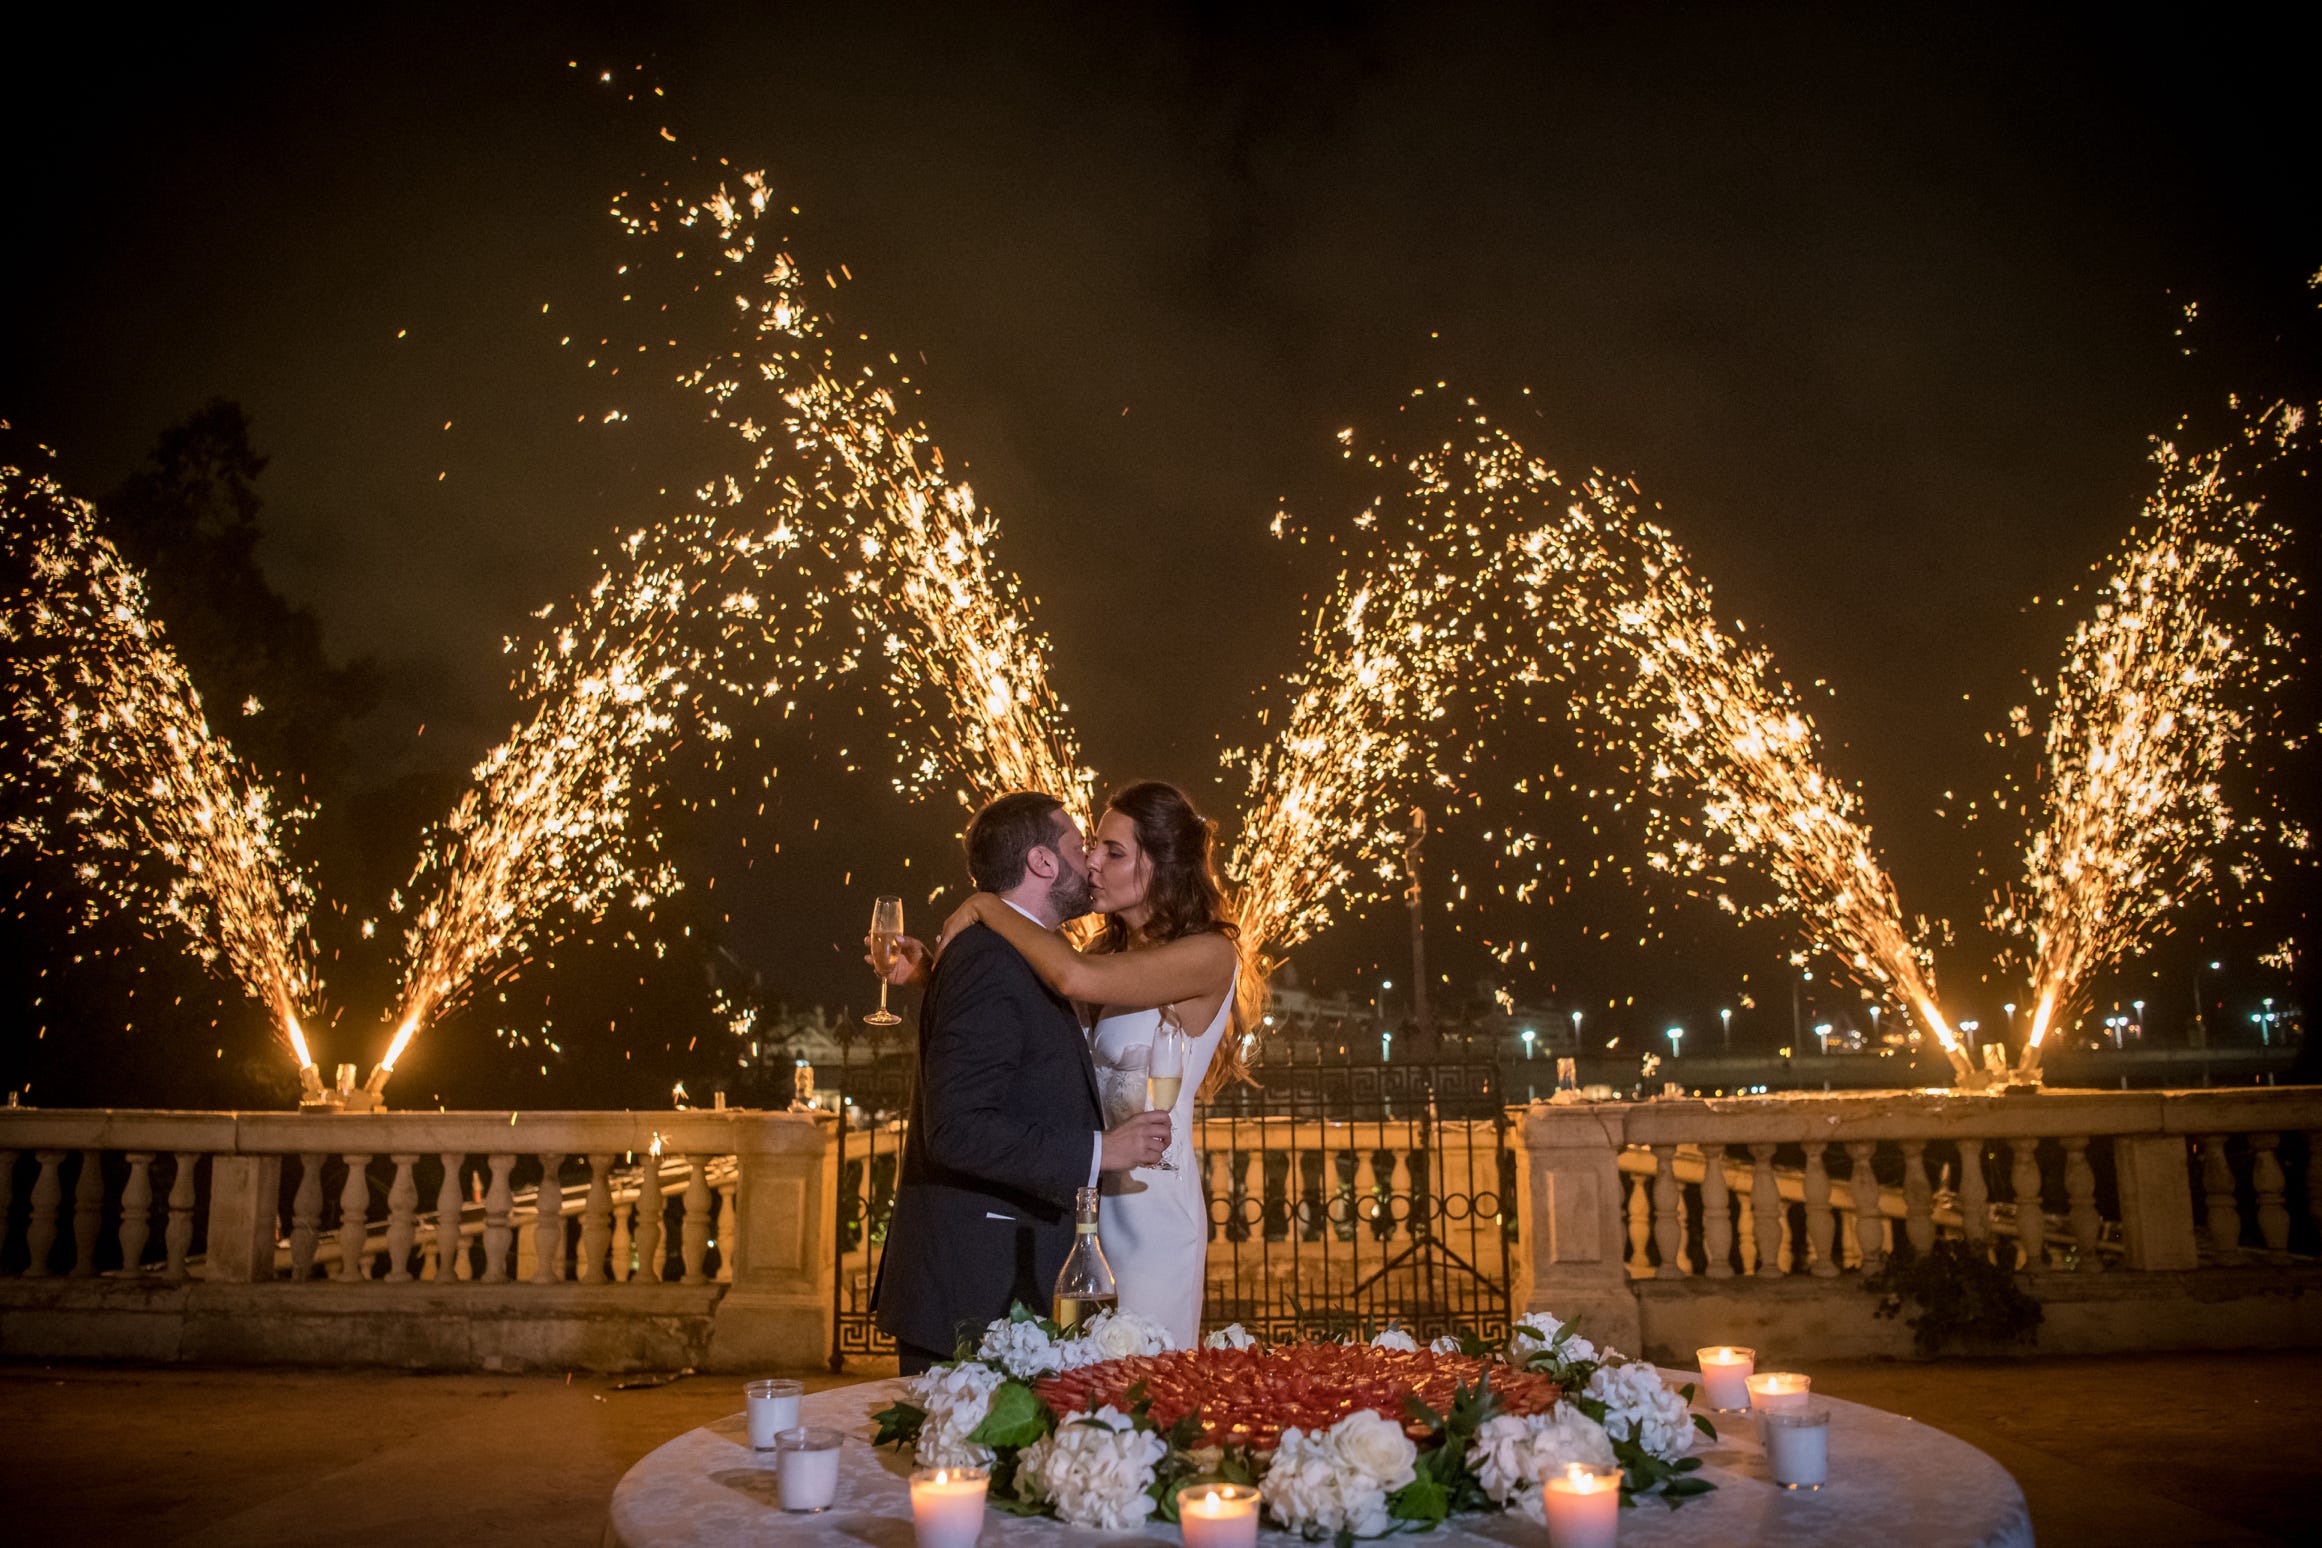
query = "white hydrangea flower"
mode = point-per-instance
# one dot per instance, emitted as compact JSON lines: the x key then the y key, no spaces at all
{"x":1640,"y":1406}
{"x":1095,"y":1470}
{"x":1395,"y":1338}
{"x":1232,"y":1336}
{"x":1116,"y":1335}
{"x":955,"y":1399}
{"x":1021,"y":1349}
{"x":1447,"y":1344}
{"x":1539,"y":1331}
{"x":1339,"y":1480}
{"x":1511,"y":1454}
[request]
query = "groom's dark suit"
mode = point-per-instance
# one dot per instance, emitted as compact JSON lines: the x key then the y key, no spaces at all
{"x":1004,"y":1120}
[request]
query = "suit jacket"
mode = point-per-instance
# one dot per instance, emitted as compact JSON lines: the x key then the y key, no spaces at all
{"x":1003,"y":1125}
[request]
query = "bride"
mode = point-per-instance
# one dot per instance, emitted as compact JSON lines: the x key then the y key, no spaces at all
{"x":1168,"y":952}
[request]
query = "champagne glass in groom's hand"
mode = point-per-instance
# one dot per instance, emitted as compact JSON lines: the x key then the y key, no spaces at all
{"x":886,"y":927}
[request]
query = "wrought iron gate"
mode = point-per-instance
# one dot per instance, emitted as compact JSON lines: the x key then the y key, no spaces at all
{"x":1344,"y":1193}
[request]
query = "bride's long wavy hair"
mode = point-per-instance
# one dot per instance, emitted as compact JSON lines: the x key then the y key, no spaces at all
{"x":1182,"y":897}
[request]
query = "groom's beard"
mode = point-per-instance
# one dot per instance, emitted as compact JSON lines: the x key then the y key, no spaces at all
{"x":1070,"y":895}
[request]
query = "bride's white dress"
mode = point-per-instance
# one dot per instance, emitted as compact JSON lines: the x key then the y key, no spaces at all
{"x":1155,"y":1225}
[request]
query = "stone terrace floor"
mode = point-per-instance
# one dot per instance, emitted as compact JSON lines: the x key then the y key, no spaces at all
{"x":2179,"y":1449}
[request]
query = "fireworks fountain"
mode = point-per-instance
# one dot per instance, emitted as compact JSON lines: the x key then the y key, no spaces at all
{"x":2152,"y":702}
{"x":161,"y":818}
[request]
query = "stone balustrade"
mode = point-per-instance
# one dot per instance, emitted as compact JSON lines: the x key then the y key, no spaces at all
{"x":2145,"y":1219}
{"x":464,"y":1239}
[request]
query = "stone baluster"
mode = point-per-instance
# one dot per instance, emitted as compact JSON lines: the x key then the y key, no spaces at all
{"x":651,"y":1216}
{"x":1745,"y":1221}
{"x":2031,"y":1217}
{"x":1668,"y":1212}
{"x":724,"y":1240}
{"x":623,"y":1263}
{"x":596,"y":1232}
{"x":355,"y":1221}
{"x":2217,"y":1191}
{"x":693,"y":1242}
{"x":2080,"y":1194}
{"x":306,"y":1216}
{"x":1849,"y":1248}
{"x":2267,"y":1181}
{"x":136,"y":1210}
{"x":1766,"y":1204}
{"x":1716,"y":1215}
{"x":1974,"y":1202}
{"x":177,"y":1236}
{"x":499,"y":1202}
{"x":1870,"y":1221}
{"x":402,"y":1219}
{"x":548,"y":1222}
{"x":88,"y":1212}
{"x":1640,"y":1220}
{"x":1821,"y":1224}
{"x":1918,"y":1199}
{"x":47,"y":1200}
{"x":451,"y":1253}
{"x":1787,"y":1255}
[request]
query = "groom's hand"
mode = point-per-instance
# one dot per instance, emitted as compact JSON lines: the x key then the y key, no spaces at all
{"x":1139,"y":1141}
{"x":906,"y":961}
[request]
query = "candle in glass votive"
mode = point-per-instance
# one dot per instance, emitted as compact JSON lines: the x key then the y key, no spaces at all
{"x":806,"y":1468}
{"x":1219,"y":1516}
{"x":1798,"y":1445}
{"x":1583,"y":1502}
{"x":1725,"y":1376}
{"x":1778,"y":1389}
{"x":947,"y":1505}
{"x":772,"y":1408}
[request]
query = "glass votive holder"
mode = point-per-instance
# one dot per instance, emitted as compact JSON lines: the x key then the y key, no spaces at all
{"x":1568,"y":1075}
{"x":1798,"y":1445}
{"x":947,"y":1505}
{"x":1582,"y":1501}
{"x":1218,"y":1515}
{"x":770,"y":1407}
{"x":1725,"y":1376}
{"x":1772,"y":1390}
{"x":806,"y":1468}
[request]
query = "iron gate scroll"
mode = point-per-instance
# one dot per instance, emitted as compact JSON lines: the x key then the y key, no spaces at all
{"x":1343,"y":1194}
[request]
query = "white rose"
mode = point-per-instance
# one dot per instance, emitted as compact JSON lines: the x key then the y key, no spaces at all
{"x":1395,"y":1338}
{"x":1232,"y":1336}
{"x":1116,"y":1335}
{"x":1020,"y":1349}
{"x":1447,"y":1344}
{"x":1537,"y":1333}
{"x":1376,"y":1446}
{"x":1095,"y":1470}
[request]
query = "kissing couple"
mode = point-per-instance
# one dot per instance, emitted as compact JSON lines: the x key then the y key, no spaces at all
{"x":1032,"y":1065}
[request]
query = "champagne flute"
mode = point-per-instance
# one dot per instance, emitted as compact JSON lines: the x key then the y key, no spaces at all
{"x":1165,"y":1077}
{"x":886,"y":925}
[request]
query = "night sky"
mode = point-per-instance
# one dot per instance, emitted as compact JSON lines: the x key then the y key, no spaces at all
{"x":1881,"y":309}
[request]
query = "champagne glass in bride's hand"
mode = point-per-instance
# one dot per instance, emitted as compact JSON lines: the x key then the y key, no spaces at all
{"x":1165,"y":1077}
{"x":886,"y":926}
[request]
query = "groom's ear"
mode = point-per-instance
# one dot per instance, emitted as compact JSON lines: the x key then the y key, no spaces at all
{"x":1041,"y":861}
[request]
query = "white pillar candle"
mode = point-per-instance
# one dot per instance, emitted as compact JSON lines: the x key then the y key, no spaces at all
{"x":947,"y":1505}
{"x":1798,"y":1445}
{"x":1725,"y":1376}
{"x":772,"y":1408}
{"x":1778,"y":1389}
{"x":1583,"y":1502}
{"x":1219,"y":1516}
{"x":806,"y":1468}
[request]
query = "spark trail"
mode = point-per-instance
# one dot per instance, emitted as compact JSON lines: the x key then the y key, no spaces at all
{"x":158,"y":815}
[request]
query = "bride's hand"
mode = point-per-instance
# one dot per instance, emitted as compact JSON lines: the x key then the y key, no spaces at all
{"x":908,"y":961}
{"x":968,"y":913}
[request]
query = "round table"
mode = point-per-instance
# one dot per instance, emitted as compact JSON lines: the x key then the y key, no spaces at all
{"x":1893,"y":1481}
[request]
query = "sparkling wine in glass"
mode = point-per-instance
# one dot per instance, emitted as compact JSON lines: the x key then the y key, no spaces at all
{"x":886,"y":925}
{"x":1165,"y":1077}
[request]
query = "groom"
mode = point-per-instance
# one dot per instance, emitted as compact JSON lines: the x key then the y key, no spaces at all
{"x":1005,"y":1121}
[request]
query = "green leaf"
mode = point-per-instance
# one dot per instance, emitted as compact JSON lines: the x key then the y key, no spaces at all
{"x":1416,"y":1407}
{"x":1016,"y":1418}
{"x":1686,"y":1488}
{"x":1237,"y":1468}
{"x":1422,"y":1499}
{"x":1010,"y":1505}
{"x":899,"y":1424}
{"x":1137,"y":1400}
{"x":1701,"y":1423}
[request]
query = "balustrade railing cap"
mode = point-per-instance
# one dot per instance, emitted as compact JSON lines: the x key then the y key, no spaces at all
{"x":705,"y":1131}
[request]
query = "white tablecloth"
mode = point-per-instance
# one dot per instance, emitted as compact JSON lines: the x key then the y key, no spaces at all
{"x":1894,"y":1483}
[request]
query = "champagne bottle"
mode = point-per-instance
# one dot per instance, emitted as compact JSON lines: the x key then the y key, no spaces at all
{"x":1085,"y":1285}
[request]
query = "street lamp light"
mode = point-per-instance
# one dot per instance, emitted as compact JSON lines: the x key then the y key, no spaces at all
{"x":1676,"y":1035}
{"x":1529,"y":1034}
{"x":1725,"y":1021}
{"x":1822,"y":1035}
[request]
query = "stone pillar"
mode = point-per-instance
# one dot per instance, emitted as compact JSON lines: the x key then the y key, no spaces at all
{"x":2156,"y":1203}
{"x":777,"y":1314}
{"x":1570,"y":1197}
{"x":245,"y":1199}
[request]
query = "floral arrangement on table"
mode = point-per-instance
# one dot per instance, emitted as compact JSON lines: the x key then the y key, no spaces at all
{"x":1070,"y":1427}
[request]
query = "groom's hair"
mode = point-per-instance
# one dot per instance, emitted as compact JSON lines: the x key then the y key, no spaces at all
{"x":1004,"y":834}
